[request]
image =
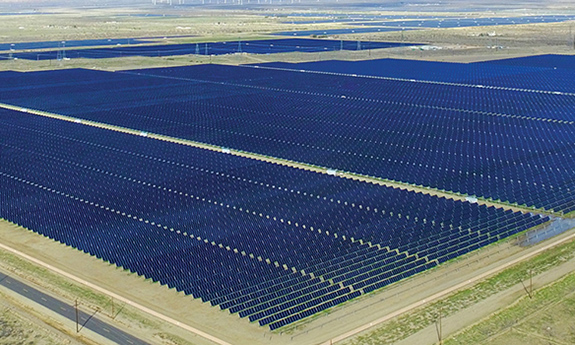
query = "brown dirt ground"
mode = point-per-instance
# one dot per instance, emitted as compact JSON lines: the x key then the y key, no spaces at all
{"x":20,"y":327}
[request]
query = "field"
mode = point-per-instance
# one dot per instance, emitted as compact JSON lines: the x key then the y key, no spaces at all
{"x":293,"y":194}
{"x":530,"y":320}
{"x":474,"y":43}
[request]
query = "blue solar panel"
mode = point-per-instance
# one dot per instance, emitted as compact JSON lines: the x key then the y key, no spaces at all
{"x":369,"y":24}
{"x":468,"y":22}
{"x":545,"y":73}
{"x":549,"y":61}
{"x":354,"y":18}
{"x":71,"y":43}
{"x":346,"y":31}
{"x":208,"y":48}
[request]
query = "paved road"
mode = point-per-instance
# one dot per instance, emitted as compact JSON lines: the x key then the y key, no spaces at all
{"x":89,"y":321}
{"x":115,"y":296}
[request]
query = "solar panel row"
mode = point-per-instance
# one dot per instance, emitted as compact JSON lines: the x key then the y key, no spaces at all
{"x":226,"y":229}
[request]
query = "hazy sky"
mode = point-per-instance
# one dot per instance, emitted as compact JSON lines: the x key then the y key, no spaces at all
{"x":406,"y":5}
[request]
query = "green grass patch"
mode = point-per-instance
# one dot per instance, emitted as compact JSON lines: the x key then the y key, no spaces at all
{"x":524,"y":308}
{"x":170,"y":339}
{"x":408,"y":324}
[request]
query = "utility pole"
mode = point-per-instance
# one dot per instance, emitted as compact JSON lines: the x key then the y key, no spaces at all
{"x":530,"y":289}
{"x":438,"y":327}
{"x":531,"y":283}
{"x":76,"y":308}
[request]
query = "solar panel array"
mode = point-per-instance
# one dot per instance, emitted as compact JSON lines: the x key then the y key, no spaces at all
{"x":25,"y":13}
{"x":339,"y":18}
{"x":270,"y":243}
{"x":499,"y":143}
{"x":538,"y":61}
{"x":416,"y":19}
{"x":72,"y":43}
{"x":344,"y":31}
{"x":370,"y":24}
{"x":469,"y":22}
{"x":208,"y":48}
{"x":553,"y":73}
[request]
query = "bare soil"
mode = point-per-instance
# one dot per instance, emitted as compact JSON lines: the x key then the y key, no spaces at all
{"x":19,"y":328}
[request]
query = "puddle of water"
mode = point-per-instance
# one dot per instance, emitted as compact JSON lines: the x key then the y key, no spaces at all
{"x":555,"y":227}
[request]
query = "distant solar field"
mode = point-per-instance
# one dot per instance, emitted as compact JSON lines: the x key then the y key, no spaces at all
{"x":358,"y":18}
{"x":326,"y":17}
{"x":346,"y":31}
{"x":210,"y":48}
{"x":370,"y":24}
{"x":271,"y":243}
{"x":71,"y":43}
{"x":468,"y":22}
{"x":25,"y":13}
{"x":552,"y":18}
